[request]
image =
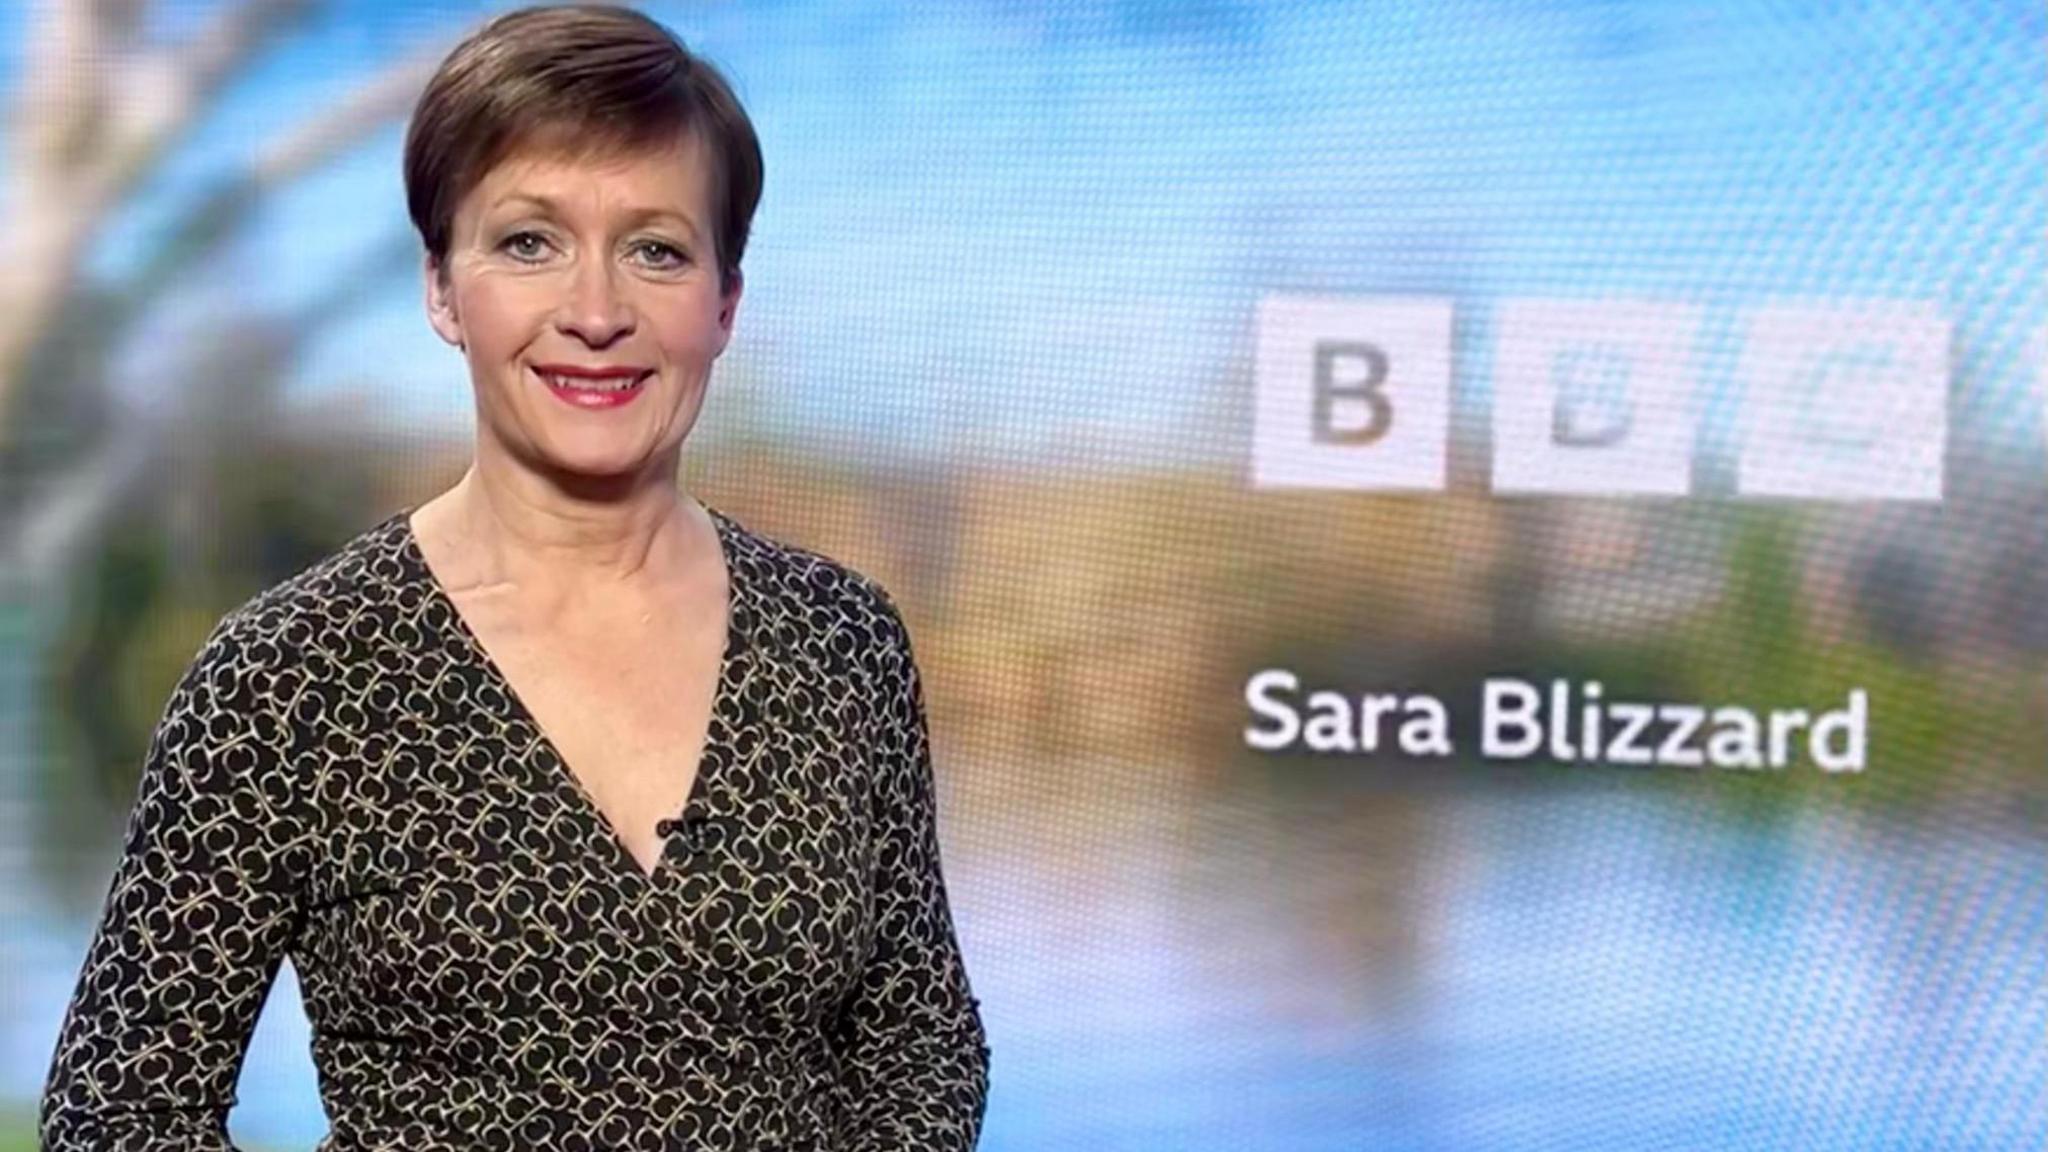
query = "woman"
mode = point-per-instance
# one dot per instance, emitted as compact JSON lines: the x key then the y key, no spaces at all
{"x":588,"y":818}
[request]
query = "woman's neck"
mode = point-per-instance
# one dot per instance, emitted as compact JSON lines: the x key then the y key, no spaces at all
{"x":504,"y":528}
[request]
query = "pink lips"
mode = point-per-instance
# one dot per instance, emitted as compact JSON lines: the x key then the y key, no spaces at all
{"x":600,"y":388}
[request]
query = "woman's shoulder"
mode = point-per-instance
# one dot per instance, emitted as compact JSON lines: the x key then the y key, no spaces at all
{"x":781,"y":576}
{"x":370,"y":569}
{"x":316,"y":615}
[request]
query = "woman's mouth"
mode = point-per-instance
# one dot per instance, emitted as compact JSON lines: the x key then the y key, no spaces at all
{"x":609,"y":390}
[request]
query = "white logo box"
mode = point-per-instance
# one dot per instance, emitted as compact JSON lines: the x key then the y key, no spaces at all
{"x":1407,"y":339}
{"x":1841,"y":399}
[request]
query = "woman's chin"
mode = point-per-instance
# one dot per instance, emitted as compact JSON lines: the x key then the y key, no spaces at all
{"x":596,"y":464}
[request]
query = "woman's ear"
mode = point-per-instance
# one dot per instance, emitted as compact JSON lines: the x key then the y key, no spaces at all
{"x":441,"y":311}
{"x":729,"y":306}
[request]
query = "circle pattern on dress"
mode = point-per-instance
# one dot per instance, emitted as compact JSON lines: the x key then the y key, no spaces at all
{"x":343,"y":779}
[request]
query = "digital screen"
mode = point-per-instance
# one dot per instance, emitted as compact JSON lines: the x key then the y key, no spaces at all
{"x":1480,"y":567}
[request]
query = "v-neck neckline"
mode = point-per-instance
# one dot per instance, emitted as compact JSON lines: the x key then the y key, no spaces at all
{"x":717,"y":731}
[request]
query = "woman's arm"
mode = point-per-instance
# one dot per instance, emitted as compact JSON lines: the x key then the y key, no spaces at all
{"x":910,"y":1037}
{"x":199,"y":912}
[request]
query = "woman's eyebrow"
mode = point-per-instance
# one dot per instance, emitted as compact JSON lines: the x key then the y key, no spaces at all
{"x":635,"y":217}
{"x":543,"y":203}
{"x":669,"y":215}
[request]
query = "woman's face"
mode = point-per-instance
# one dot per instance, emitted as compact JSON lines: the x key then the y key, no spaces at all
{"x":585,"y":296}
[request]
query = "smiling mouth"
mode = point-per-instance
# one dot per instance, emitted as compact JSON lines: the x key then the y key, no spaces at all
{"x":592,"y":383}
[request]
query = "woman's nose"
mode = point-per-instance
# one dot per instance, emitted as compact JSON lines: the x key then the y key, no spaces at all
{"x":596,"y":310}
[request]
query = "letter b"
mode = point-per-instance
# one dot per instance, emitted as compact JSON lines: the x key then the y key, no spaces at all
{"x":1380,"y":419}
{"x":1327,"y":375}
{"x":1593,"y":408}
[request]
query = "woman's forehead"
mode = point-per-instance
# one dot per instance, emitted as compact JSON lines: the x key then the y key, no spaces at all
{"x":670,"y":177}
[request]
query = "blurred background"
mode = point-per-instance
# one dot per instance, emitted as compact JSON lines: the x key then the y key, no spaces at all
{"x":998,"y":350}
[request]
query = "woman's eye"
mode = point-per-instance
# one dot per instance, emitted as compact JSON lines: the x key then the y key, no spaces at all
{"x":524,"y":245}
{"x":660,"y":255}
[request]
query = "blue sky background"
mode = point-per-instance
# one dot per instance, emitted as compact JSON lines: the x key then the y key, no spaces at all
{"x":1032,"y":232}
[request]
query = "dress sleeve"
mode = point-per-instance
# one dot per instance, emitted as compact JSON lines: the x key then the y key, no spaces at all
{"x":910,"y":1037}
{"x":198,"y":914}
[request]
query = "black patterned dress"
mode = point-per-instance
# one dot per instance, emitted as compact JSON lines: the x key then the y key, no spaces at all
{"x":344,"y":778}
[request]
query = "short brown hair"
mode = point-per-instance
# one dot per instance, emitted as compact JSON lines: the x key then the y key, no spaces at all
{"x":586,"y":79}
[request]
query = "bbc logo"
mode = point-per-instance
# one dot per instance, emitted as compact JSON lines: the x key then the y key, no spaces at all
{"x":1846,"y":400}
